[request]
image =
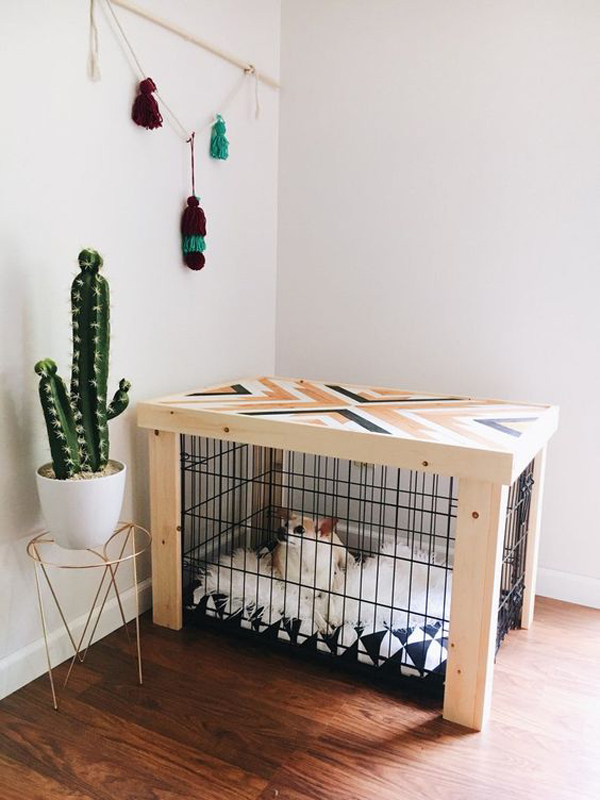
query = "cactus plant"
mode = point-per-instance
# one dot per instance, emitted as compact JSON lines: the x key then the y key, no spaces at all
{"x":60,"y":420}
{"x":77,"y":423}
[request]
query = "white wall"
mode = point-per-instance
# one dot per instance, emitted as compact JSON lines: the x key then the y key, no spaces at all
{"x":439,"y":198}
{"x":77,"y":172}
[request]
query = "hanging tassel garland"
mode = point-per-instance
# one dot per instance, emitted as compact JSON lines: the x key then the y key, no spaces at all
{"x":219,"y":146}
{"x":146,"y":112}
{"x":193,"y":223}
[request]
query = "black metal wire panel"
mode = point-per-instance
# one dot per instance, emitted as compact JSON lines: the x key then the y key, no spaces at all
{"x":380,"y":596}
{"x":382,"y":593}
{"x":512,"y":579}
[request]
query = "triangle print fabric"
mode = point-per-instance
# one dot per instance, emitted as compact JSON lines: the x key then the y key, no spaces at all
{"x":411,"y":652}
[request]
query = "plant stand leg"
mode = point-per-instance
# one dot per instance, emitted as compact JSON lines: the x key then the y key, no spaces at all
{"x":165,"y":514}
{"x":474,"y":611}
{"x":137,"y":610}
{"x":533,"y":539}
{"x":58,"y":607}
{"x":77,"y":653}
{"x":45,"y":632}
{"x":112,"y":582}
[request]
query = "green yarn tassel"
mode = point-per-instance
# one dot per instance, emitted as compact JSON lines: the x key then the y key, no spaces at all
{"x":219,"y":146}
{"x":193,"y":244}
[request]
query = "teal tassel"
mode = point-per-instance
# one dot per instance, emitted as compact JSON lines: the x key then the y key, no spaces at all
{"x":219,"y":146}
{"x":193,"y":244}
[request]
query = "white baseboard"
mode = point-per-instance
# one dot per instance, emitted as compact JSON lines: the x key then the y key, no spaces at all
{"x":28,"y":663}
{"x":566,"y":586}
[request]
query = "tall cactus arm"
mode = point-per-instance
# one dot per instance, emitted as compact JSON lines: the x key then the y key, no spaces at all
{"x":120,"y":401}
{"x":91,"y":335}
{"x":60,"y":420}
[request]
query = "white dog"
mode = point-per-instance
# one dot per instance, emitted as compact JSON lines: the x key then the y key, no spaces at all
{"x":310,"y":553}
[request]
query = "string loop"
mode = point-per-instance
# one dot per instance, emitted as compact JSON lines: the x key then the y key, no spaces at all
{"x":93,"y":59}
{"x":191,"y":142}
{"x":251,"y":70}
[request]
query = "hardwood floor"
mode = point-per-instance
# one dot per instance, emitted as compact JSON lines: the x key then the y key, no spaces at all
{"x":218,"y":719}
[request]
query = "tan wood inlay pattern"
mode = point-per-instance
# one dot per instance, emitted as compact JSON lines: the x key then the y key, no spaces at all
{"x":488,"y":437}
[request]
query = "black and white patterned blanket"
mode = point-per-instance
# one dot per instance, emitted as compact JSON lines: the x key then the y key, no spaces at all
{"x":417,"y":651}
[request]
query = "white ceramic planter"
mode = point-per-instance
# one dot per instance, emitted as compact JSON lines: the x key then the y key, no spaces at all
{"x":82,"y":513}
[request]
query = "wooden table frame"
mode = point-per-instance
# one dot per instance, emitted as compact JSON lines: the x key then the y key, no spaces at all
{"x":485,"y":473}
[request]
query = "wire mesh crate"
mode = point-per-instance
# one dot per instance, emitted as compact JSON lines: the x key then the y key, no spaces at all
{"x":373,"y":588}
{"x":389,"y":530}
{"x":514,"y":553}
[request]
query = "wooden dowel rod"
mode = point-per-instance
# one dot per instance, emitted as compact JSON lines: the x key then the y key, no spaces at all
{"x":245,"y":66}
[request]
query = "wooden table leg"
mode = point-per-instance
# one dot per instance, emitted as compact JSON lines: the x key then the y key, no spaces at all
{"x":275,"y":488}
{"x":165,"y":514}
{"x":258,"y":518}
{"x":474,"y":610}
{"x":533,"y":538}
{"x":268,"y":492}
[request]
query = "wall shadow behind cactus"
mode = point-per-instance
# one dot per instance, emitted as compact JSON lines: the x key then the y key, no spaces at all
{"x":77,"y":420}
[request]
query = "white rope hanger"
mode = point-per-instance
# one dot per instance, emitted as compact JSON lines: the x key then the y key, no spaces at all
{"x":93,"y":62}
{"x":245,"y":66}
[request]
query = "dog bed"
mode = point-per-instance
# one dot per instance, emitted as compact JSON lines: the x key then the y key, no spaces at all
{"x":361,"y":619}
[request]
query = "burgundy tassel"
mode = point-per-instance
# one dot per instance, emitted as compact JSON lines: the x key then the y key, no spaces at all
{"x":193,"y":221}
{"x":194,"y":261}
{"x":193,"y":231}
{"x":145,"y":111}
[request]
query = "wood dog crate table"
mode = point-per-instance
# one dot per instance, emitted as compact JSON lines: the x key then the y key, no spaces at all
{"x":386,"y":463}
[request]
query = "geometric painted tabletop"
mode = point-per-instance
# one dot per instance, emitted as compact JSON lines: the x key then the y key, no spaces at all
{"x":489,"y":440}
{"x":443,"y":419}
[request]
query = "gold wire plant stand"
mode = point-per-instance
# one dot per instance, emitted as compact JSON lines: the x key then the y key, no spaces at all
{"x":123,"y":546}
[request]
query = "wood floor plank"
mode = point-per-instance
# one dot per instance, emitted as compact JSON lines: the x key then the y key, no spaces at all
{"x":354,"y":763}
{"x":218,"y":720}
{"x":79,"y":758}
{"x":19,"y":782}
{"x":239,"y":728}
{"x":190,"y":769}
{"x":76,"y":758}
{"x":209,"y":659}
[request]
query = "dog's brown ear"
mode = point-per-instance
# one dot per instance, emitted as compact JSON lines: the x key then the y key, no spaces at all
{"x":281,"y":513}
{"x":326,"y":526}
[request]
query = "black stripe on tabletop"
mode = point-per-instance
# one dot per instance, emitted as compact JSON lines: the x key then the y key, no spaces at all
{"x":237,"y":389}
{"x":497,"y":425}
{"x":344,"y":412}
{"x":364,"y":401}
{"x":364,"y":423}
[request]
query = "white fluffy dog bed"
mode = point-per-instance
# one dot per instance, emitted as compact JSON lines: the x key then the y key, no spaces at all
{"x":366,"y":614}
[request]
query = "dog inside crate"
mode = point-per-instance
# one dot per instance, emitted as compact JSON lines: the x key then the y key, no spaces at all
{"x":350,"y":559}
